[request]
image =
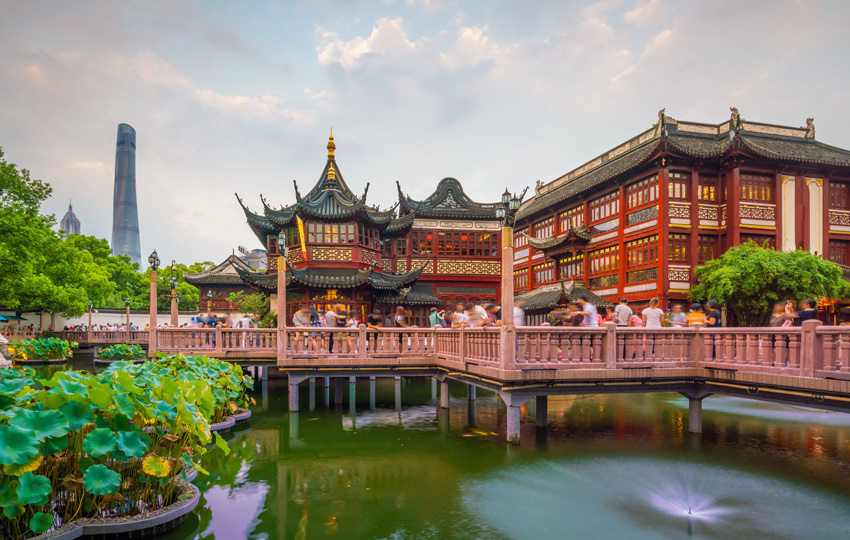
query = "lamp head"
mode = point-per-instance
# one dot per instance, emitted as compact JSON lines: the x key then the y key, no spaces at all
{"x":90,"y":305}
{"x":209,"y":293}
{"x":127,"y":301}
{"x":514,"y":204}
{"x":500,"y":212}
{"x":153,"y":259}
{"x":506,"y":197}
{"x":281,"y":241}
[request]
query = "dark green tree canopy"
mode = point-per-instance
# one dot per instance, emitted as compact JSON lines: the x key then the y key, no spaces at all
{"x":749,"y":279}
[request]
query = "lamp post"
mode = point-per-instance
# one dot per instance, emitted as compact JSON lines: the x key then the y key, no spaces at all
{"x":209,"y":301}
{"x":283,"y":251}
{"x":173,"y":293}
{"x":127,"y":301}
{"x":153,"y":260}
{"x":506,"y":213}
{"x":88,"y":333}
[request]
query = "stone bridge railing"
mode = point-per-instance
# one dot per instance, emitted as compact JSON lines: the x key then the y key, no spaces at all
{"x":811,"y":351}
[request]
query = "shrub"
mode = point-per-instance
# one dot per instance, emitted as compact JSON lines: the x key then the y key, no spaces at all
{"x":121,"y":352}
{"x":42,"y":349}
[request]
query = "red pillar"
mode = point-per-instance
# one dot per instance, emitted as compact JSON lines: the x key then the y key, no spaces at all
{"x":693,"y":240}
{"x":663,"y":245}
{"x":621,"y":251}
{"x":733,"y":213}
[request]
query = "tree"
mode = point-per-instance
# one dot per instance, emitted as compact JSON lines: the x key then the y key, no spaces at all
{"x":254,"y":304}
{"x":749,"y":279}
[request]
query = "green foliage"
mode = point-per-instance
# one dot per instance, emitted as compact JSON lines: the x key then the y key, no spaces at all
{"x":80,"y":437}
{"x":42,"y":349}
{"x":121,"y":352}
{"x":99,"y":480}
{"x":748,"y":279}
{"x":254,"y":304}
{"x":269,"y":320}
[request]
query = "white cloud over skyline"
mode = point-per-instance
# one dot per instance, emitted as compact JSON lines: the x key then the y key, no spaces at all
{"x":239,"y":97}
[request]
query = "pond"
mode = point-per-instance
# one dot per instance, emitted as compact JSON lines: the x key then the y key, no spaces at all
{"x":608,"y":466}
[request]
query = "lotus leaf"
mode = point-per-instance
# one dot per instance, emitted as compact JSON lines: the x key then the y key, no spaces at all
{"x":101,"y":397}
{"x":13,"y":510}
{"x":78,"y":414}
{"x":9,"y":386}
{"x":55,"y":444}
{"x":17,"y":445}
{"x":31,"y":465}
{"x":33,"y":489}
{"x":133,"y":444}
{"x":8,"y":494}
{"x":124,"y":404}
{"x":42,"y":424}
{"x":101,"y":421}
{"x":156,"y":466}
{"x":222,"y":444}
{"x":72,"y":482}
{"x":41,"y":522}
{"x":100,"y":480}
{"x":72,"y":387}
{"x":168,"y":411}
{"x":99,"y":442}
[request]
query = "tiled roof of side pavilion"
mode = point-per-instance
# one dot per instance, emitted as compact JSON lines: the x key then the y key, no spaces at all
{"x":226,"y":273}
{"x":333,"y":278}
{"x":448,"y":201}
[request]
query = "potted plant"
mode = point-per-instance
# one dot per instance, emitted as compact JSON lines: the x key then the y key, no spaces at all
{"x":42,"y":350}
{"x":127,"y":353}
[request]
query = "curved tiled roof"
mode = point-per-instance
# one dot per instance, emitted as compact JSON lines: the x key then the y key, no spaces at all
{"x":593,"y":177}
{"x":333,"y":278}
{"x":448,"y":201}
{"x":549,"y":294}
{"x":260,"y":225}
{"x":575,"y":234}
{"x":411,"y":296}
{"x":805,"y":150}
{"x":400,"y":225}
{"x":226,"y":273}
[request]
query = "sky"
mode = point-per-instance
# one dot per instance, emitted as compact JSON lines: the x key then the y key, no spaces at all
{"x":231,"y":97}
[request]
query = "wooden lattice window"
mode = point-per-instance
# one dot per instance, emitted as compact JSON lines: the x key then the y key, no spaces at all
{"x":605,"y":207}
{"x":706,"y":248}
{"x":604,"y":260}
{"x":756,"y":188}
{"x":678,"y":189}
{"x":571,"y":218}
{"x":839,"y":195}
{"x":642,"y":193}
{"x":521,"y":278}
{"x":707,"y":191}
{"x":678,"y":248}
{"x":544,"y":273}
{"x":838,"y":252}
{"x":571,"y":267}
{"x":545,"y":228}
{"x":520,"y":238}
{"x":642,"y":251}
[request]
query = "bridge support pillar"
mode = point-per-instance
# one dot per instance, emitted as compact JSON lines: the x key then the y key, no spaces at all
{"x":433,"y":389}
{"x":352,"y":395}
{"x":293,"y":425}
{"x":372,"y":386}
{"x":294,"y":381}
{"x":444,"y":394}
{"x":398,"y":393}
{"x":338,"y":382}
{"x":326,"y":390}
{"x":541,"y":413}
{"x":695,"y":398}
{"x":470,"y":412}
{"x":264,"y":373}
{"x":514,"y":402}
{"x":312,"y":393}
{"x":470,"y":392}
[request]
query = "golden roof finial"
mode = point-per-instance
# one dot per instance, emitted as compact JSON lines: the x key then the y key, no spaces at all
{"x":331,"y":172}
{"x":331,"y":145}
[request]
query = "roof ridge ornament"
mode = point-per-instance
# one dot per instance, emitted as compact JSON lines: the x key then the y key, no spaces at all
{"x":331,"y":172}
{"x":810,"y":128}
{"x":331,"y":145}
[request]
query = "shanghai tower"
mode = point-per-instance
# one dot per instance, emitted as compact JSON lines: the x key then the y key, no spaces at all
{"x":125,"y":214}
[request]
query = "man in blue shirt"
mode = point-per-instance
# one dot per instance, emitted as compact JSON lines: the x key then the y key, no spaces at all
{"x":591,"y":320}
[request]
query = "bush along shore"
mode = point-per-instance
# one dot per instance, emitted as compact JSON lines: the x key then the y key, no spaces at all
{"x":82,"y":445}
{"x":42,"y":349}
{"x":121,"y":352}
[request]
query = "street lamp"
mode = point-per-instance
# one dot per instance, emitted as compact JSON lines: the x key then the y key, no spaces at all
{"x":506,"y":214}
{"x":173,"y":293}
{"x":153,"y":259}
{"x":283,"y":253}
{"x":127,"y":302}
{"x":209,"y":300}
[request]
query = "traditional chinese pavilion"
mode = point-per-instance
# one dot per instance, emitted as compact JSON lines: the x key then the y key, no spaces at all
{"x":215,"y":285}
{"x":341,"y":250}
{"x":637,"y":220}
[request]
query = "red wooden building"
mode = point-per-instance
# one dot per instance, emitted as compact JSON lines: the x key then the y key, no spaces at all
{"x":417,"y":254}
{"x":635,"y":221}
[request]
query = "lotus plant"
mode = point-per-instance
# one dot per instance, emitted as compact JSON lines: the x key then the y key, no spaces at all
{"x":121,"y":352}
{"x":42,"y":349}
{"x":105,"y":445}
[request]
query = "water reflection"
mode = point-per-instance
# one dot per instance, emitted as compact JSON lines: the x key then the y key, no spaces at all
{"x":370,"y":471}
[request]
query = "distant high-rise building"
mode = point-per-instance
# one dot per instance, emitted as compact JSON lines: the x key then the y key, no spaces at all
{"x":125,"y":214}
{"x":70,"y":224}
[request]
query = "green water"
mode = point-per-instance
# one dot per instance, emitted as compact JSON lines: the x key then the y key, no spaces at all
{"x":608,"y":466}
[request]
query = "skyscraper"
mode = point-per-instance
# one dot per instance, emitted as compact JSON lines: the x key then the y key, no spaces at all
{"x":70,"y":224}
{"x":125,"y":214}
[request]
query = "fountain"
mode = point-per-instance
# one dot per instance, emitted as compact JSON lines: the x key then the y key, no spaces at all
{"x":649,"y":499}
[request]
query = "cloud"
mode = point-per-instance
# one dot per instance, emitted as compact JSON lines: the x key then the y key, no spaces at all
{"x":387,"y":42}
{"x":644,"y":12}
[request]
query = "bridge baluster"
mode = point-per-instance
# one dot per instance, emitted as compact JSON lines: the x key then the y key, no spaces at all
{"x":766,"y":349}
{"x":752,"y":349}
{"x":794,"y":351}
{"x":829,"y":347}
{"x":844,"y":352}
